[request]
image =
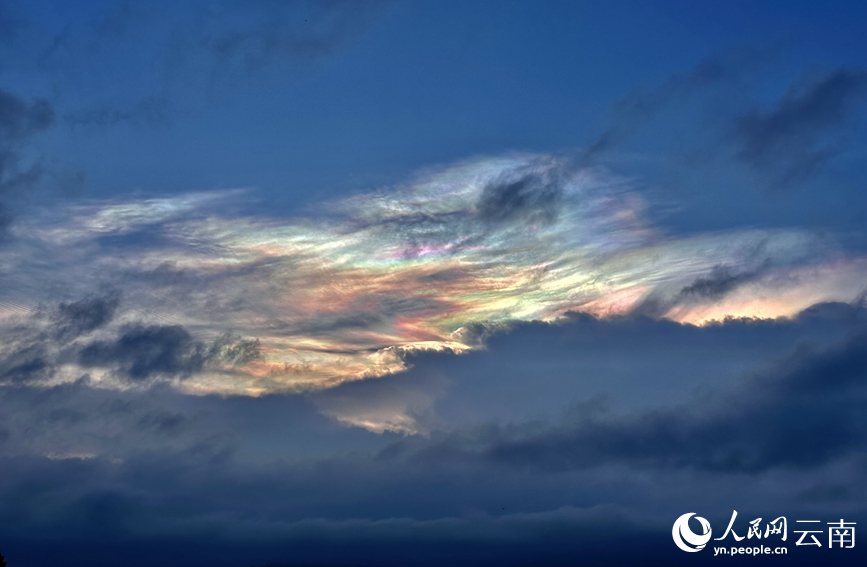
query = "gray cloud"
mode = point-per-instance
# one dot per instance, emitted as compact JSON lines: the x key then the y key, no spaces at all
{"x":721,"y":281}
{"x":803,"y":414}
{"x":232,"y":350}
{"x":785,"y":144}
{"x":24,"y":363}
{"x":39,"y":344}
{"x":19,"y":120}
{"x":34,"y":347}
{"x":571,"y":362}
{"x":500,"y":487}
{"x":142,"y":352}
{"x":193,"y":45}
{"x":643,"y":104}
{"x":86,"y":315}
{"x":790,"y":141}
{"x":532,"y":196}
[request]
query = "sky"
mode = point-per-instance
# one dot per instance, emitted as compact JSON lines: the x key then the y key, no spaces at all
{"x":350,"y":283}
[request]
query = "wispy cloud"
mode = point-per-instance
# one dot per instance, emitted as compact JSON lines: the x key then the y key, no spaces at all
{"x":20,"y":119}
{"x":347,"y":291}
{"x":790,"y":141}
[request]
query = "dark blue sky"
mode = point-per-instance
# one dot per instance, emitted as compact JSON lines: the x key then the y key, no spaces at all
{"x":429,"y":283}
{"x":146,"y":100}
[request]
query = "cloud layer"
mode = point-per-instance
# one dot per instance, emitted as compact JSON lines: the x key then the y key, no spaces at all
{"x":538,"y":446}
{"x":347,"y":291}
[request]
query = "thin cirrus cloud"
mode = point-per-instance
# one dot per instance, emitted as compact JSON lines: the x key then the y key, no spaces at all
{"x":790,"y":141}
{"x":347,"y":291}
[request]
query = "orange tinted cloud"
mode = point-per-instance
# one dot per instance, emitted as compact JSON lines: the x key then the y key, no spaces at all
{"x":341,"y":293}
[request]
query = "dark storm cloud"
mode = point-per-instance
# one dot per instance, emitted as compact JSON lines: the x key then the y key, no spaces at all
{"x":791,"y":140}
{"x":531,"y":196}
{"x":166,"y":423}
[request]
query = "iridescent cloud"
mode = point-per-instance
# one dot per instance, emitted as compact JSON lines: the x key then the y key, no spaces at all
{"x":341,"y":293}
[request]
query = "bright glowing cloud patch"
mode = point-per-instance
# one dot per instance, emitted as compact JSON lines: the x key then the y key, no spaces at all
{"x":343,"y":292}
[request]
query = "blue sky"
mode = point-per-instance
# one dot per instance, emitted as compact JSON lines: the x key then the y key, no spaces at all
{"x":426,"y":283}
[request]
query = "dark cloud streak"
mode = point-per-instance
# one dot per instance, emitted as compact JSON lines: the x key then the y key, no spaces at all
{"x":264,"y":32}
{"x":35,"y":348}
{"x":528,"y":196}
{"x":19,"y":121}
{"x":721,"y":281}
{"x":642,"y":105}
{"x":790,"y":141}
{"x":86,"y":315}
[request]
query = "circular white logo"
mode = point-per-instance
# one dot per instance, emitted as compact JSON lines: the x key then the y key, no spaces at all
{"x":685,"y":538}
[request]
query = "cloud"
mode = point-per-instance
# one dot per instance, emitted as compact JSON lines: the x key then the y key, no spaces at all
{"x":38,"y":344}
{"x":148,"y":111}
{"x":66,"y":342}
{"x":721,"y":281}
{"x":791,"y":141}
{"x":253,"y":35}
{"x":634,"y":111}
{"x":19,"y":121}
{"x":802,"y":414}
{"x":145,"y":351}
{"x":86,"y":315}
{"x":493,"y":479}
{"x":786,"y":143}
{"x":339,"y":293}
{"x":194,"y":45}
{"x":25,"y":363}
{"x":534,"y":197}
{"x":570,"y":361}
